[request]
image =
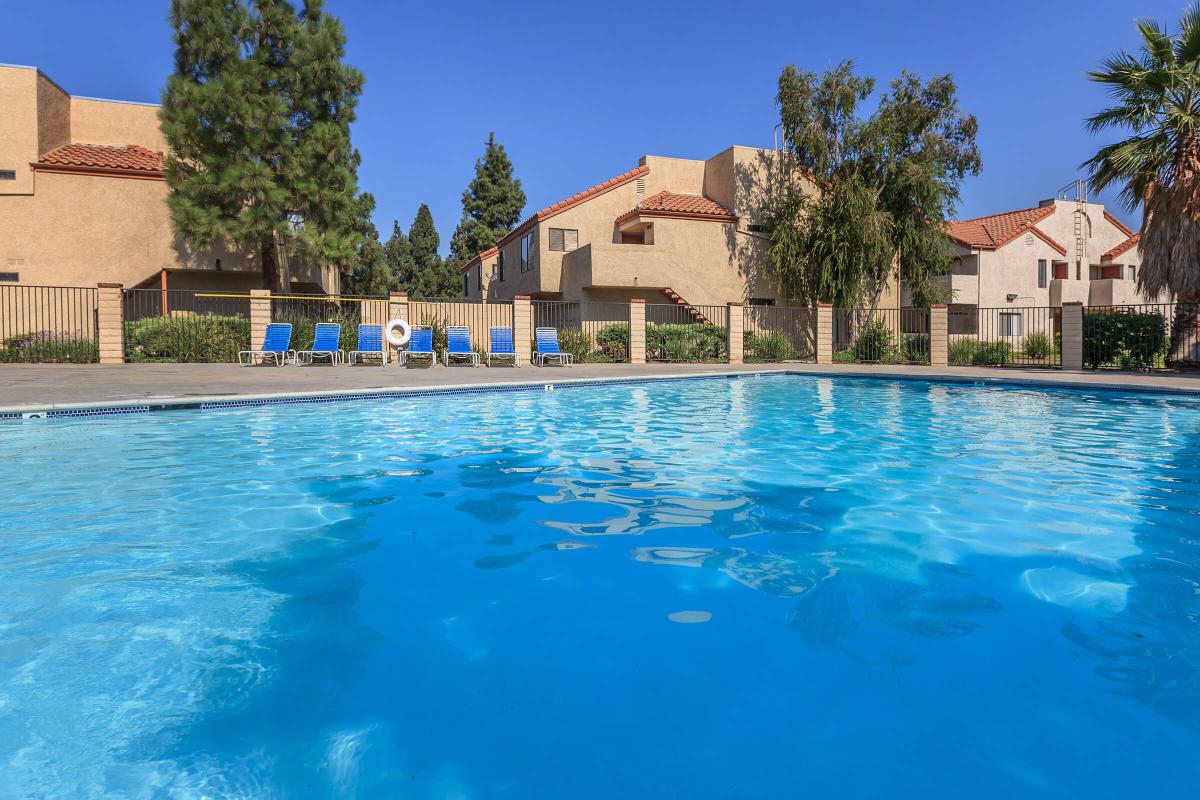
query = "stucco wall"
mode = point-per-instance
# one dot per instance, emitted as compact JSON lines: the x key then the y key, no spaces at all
{"x":18,"y":128}
{"x":116,"y":123}
{"x":77,"y":230}
{"x":54,"y":115}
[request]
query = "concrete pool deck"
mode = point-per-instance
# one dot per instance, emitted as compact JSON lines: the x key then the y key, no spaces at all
{"x":27,"y":388}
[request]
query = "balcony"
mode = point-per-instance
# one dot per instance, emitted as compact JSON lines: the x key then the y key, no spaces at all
{"x":618,"y":266}
{"x":1067,"y":290}
{"x":964,"y":289}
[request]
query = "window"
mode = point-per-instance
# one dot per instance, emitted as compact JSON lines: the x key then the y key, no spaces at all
{"x":10,"y":277}
{"x":1041,"y":273}
{"x":479,"y":276}
{"x":500,"y":266}
{"x":762,"y":301}
{"x":8,"y":174}
{"x":466,"y":283}
{"x":757,"y":228}
{"x":564,"y":239}
{"x":527,"y":252}
{"x":1132,"y":273}
{"x":1010,"y":323}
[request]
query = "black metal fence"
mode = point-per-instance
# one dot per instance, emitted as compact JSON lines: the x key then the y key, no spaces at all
{"x":48,"y":324}
{"x":678,"y":332}
{"x":1136,"y":337}
{"x":779,"y":333}
{"x":595,"y":332}
{"x":884,"y":335}
{"x":1026,"y":336}
{"x":182,"y":325}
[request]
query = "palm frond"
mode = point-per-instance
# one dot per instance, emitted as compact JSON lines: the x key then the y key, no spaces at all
{"x":1187,"y":46}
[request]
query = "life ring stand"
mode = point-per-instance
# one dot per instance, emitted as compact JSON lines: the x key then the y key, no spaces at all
{"x":397,"y":339}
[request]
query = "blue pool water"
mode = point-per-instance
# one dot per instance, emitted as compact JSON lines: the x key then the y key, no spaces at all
{"x":776,"y":587}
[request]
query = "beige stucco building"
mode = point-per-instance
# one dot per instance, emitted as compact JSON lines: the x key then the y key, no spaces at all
{"x":1060,"y":251}
{"x":671,"y":230}
{"x":82,"y":198}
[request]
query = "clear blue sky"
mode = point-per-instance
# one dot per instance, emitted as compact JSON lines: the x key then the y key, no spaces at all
{"x":578,"y":91}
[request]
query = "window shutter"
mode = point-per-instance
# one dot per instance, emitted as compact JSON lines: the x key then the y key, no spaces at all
{"x":571,"y":240}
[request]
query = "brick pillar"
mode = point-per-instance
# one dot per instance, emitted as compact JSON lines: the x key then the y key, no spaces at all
{"x":824,"y":333}
{"x":736,"y":329}
{"x":260,"y":317}
{"x":637,"y":331}
{"x":110,"y":323}
{"x":523,"y":328}
{"x":939,"y":335}
{"x":1072,"y":335}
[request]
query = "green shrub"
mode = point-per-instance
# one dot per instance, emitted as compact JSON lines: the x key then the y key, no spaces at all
{"x":843,"y":357}
{"x":769,"y":345}
{"x":682,"y":342}
{"x":914,"y":347}
{"x":202,"y":337}
{"x":1037,"y":345}
{"x":873,"y":342}
{"x":961,"y":352}
{"x":993,"y":354}
{"x":1125,"y":341}
{"x":576,"y":342}
{"x":45,"y":347}
{"x":613,"y":341}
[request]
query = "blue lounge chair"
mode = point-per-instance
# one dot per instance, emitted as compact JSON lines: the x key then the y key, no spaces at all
{"x":420,"y":343}
{"x":548,"y":349}
{"x":326,"y":344}
{"x":370,"y":345}
{"x":458,"y":345}
{"x":500,"y":346}
{"x":276,"y":346}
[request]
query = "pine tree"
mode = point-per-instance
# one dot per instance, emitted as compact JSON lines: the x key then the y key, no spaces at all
{"x":492,"y":205}
{"x":257,"y":121}
{"x":427,"y":267}
{"x":397,"y":256}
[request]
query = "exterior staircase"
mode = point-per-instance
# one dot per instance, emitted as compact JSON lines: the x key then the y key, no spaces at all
{"x":692,"y":311}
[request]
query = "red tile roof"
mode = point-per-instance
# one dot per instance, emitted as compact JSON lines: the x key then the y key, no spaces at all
{"x":997,"y":230}
{"x":491,"y":251}
{"x":574,"y":200}
{"x":103,"y":159}
{"x":688,"y":206}
{"x":1122,"y":247}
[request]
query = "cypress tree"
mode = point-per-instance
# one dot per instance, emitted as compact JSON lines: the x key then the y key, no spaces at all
{"x":423,"y":242}
{"x":492,"y":205}
{"x":369,"y":273}
{"x":398,"y":259}
{"x":257,"y":121}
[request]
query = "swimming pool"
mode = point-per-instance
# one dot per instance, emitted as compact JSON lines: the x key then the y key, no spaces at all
{"x":788,"y":586}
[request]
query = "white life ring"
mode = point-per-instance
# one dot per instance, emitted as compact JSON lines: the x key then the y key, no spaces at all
{"x":389,"y":331}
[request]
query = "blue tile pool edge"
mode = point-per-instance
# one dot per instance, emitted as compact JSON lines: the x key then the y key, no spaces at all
{"x":100,"y":410}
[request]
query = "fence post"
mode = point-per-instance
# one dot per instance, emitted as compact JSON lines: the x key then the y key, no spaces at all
{"x":637,"y":331}
{"x":260,"y":316}
{"x":110,"y":322}
{"x":824,"y":333}
{"x":1072,"y":335}
{"x":522,"y":327}
{"x":735,"y":330}
{"x":939,"y":335}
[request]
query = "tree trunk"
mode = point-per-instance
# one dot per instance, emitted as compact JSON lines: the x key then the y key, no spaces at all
{"x":1184,"y":349}
{"x":276,"y":275}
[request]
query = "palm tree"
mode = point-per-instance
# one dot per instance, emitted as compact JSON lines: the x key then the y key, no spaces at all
{"x":1157,"y":99}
